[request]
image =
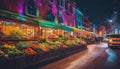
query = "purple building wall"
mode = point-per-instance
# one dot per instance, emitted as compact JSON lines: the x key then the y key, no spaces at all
{"x":43,"y":6}
{"x":67,"y":15}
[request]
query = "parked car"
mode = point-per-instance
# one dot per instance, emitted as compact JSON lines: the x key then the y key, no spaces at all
{"x":114,"y":40}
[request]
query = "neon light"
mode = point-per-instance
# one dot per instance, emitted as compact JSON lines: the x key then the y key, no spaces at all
{"x":37,"y":13}
{"x":54,"y":11}
{"x":21,"y":18}
{"x":40,"y":4}
{"x":21,"y":10}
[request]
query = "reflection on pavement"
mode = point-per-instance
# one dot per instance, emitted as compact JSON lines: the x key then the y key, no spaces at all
{"x":97,"y":56}
{"x":112,"y":59}
{"x":94,"y":51}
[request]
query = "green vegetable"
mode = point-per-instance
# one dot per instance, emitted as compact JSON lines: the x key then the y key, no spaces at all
{"x":16,"y":34}
{"x":23,"y":45}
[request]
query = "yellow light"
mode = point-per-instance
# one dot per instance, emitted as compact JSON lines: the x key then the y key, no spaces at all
{"x":110,"y":40}
{"x":106,"y":39}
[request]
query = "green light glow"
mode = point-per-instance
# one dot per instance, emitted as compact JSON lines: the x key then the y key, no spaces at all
{"x":21,"y":18}
{"x":37,"y":13}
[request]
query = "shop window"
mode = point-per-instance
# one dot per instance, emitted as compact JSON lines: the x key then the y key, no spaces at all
{"x":41,"y":31}
{"x":50,"y":16}
{"x":36,"y":31}
{"x":13,"y":24}
{"x":16,"y":30}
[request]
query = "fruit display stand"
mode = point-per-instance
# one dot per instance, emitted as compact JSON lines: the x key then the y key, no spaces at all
{"x":50,"y":54}
{"x":39,"y":57}
{"x":21,"y":47}
{"x":46,"y":56}
{"x":15,"y":28}
{"x":38,"y":52}
{"x":89,"y":37}
{"x":55,"y":47}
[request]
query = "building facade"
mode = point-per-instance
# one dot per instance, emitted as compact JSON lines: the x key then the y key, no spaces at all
{"x":78,"y":18}
{"x":59,"y":11}
{"x":69,"y":18}
{"x":107,"y":28}
{"x":87,"y":25}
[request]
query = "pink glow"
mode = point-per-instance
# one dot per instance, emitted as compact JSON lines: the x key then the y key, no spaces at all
{"x":64,"y":19}
{"x":40,"y":4}
{"x":65,"y":23}
{"x":21,"y":10}
{"x":54,"y":11}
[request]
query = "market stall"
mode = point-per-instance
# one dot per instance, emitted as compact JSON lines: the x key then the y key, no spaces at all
{"x":15,"y":33}
{"x":27,"y":41}
{"x":89,"y":37}
{"x":68,"y":32}
{"x":78,"y":32}
{"x":17,"y":27}
{"x":49,"y":29}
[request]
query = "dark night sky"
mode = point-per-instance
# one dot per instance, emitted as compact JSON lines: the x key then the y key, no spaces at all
{"x":97,"y":10}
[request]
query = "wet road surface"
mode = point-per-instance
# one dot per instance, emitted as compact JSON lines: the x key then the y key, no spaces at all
{"x":97,"y":56}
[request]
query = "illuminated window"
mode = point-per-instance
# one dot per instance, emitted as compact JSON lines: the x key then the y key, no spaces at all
{"x":17,"y":30}
{"x":50,"y":16}
{"x":31,"y":8}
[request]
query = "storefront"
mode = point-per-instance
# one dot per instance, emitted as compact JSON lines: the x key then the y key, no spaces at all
{"x":49,"y":29}
{"x":68,"y":32}
{"x":78,"y":32}
{"x":27,"y":41}
{"x":14,"y":26}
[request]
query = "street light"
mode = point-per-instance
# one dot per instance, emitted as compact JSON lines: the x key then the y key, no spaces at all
{"x":110,"y":21}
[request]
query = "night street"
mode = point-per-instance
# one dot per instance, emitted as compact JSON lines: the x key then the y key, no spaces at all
{"x":97,"y":56}
{"x":59,"y":34}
